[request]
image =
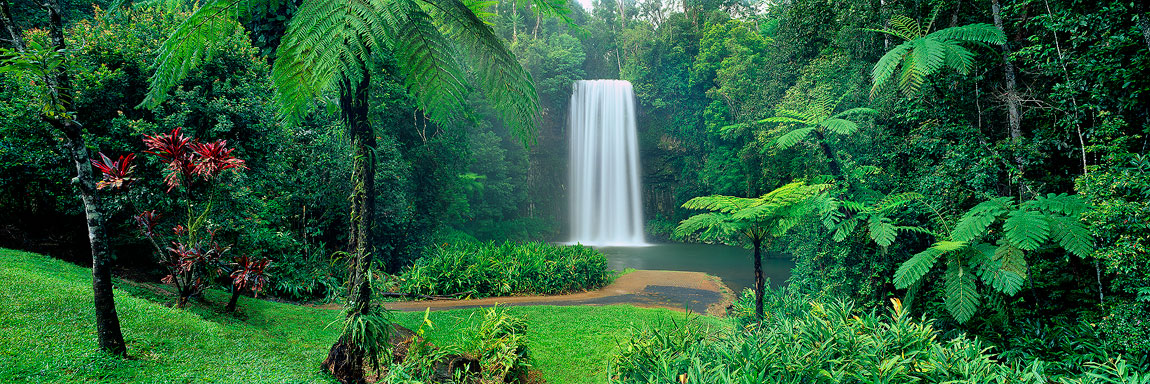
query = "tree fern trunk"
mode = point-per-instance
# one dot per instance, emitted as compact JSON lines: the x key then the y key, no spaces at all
{"x":108,"y":334}
{"x":354,"y":106}
{"x":832,"y":161}
{"x":758,"y":279}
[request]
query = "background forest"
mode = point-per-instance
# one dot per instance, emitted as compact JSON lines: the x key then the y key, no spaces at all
{"x":735,"y":98}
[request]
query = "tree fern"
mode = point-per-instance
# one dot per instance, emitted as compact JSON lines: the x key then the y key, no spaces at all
{"x":1024,"y":227}
{"x":923,"y":54}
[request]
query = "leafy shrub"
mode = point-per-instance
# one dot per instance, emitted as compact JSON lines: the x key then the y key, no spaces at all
{"x":814,"y":342}
{"x":491,"y":269}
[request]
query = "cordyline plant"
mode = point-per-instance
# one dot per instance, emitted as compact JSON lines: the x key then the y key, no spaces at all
{"x":190,"y":252}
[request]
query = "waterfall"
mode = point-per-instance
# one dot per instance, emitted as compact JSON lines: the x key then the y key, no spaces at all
{"x":606,"y":209}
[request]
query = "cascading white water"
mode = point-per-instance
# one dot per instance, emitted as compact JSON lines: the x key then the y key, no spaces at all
{"x":605,"y":206}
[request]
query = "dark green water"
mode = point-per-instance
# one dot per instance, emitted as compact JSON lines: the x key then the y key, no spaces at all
{"x":732,"y":264}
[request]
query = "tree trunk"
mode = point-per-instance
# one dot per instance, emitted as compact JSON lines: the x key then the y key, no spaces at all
{"x":108,"y":334}
{"x":1013,"y":102}
{"x":1143,"y":21}
{"x":345,"y":360}
{"x":758,"y":279}
{"x":832,"y":161}
{"x":354,"y":104}
{"x":234,"y":300}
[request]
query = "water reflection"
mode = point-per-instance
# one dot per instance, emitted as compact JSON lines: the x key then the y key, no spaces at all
{"x":732,"y":264}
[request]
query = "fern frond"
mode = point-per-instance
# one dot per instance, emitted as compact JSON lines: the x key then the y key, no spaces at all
{"x":887,"y":65}
{"x":895,"y":201}
{"x":193,"y":43}
{"x":844,"y":229}
{"x":1011,"y":272}
{"x":881,"y":231}
{"x":800,"y":117}
{"x":326,"y":41}
{"x":918,"y":265}
{"x":503,"y":80}
{"x":428,"y":61}
{"x":905,"y":27}
{"x":1026,"y":229}
{"x":783,"y":120}
{"x":971,"y":33}
{"x":1072,"y":235}
{"x":1068,"y":205}
{"x":699,"y":222}
{"x":854,"y":111}
{"x":961,"y":291}
{"x":793,"y":137}
{"x":840,"y":126}
{"x":927,"y":57}
{"x":975,"y":222}
{"x":959,"y":59}
{"x":721,"y":203}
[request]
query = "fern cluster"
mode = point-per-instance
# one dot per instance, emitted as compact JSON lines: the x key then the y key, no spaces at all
{"x":771,"y":214}
{"x":989,"y":242}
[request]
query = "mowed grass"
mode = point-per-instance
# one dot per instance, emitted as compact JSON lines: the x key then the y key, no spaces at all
{"x":47,"y":333}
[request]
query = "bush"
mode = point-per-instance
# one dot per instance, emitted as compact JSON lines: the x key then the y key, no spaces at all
{"x":491,"y":269}
{"x":813,"y":342}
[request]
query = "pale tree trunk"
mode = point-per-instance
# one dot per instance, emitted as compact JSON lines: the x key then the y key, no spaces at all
{"x":1143,"y":21}
{"x":109,"y":337}
{"x":1013,"y":101}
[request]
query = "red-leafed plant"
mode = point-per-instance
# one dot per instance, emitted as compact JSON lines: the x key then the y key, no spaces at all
{"x":195,"y":257}
{"x":115,"y":175}
{"x":247,"y":274}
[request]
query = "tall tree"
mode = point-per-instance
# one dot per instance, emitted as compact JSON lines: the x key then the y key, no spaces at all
{"x":332,"y":46}
{"x":48,"y":64}
{"x":757,"y":220}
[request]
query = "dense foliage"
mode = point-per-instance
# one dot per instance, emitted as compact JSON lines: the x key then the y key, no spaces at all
{"x":501,"y":269}
{"x":808,"y":341}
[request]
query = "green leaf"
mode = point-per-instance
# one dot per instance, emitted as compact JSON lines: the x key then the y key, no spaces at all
{"x":914,"y":269}
{"x":961,"y":291}
{"x":793,"y":137}
{"x":840,"y":126}
{"x":1026,"y":229}
{"x":977,"y":220}
{"x":1002,"y":268}
{"x":1072,"y":236}
{"x":882,"y":231}
{"x":1068,"y":205}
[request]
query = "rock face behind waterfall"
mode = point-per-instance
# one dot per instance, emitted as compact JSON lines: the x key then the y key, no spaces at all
{"x":606,"y":209}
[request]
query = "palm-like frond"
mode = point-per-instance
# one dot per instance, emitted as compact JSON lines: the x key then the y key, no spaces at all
{"x":327,"y":41}
{"x":720,"y":203}
{"x":1026,"y":229}
{"x":793,"y":137}
{"x":505,"y":83}
{"x":918,"y":265}
{"x":923,"y":54}
{"x":840,"y":126}
{"x":961,"y":290}
{"x":977,"y":220}
{"x":193,"y":42}
{"x":971,"y":33}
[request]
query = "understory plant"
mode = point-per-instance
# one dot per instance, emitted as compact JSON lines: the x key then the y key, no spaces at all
{"x":808,"y":341}
{"x":989,"y":244}
{"x":494,"y":269}
{"x":190,"y":251}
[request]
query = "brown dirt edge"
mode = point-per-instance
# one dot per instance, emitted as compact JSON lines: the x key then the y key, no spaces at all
{"x":676,"y":290}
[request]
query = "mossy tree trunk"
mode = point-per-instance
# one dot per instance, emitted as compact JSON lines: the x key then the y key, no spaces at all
{"x":345,"y":359}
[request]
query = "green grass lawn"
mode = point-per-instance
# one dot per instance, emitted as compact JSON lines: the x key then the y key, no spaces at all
{"x":49,"y":336}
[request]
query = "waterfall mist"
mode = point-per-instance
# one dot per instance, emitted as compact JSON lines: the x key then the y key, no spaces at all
{"x":606,"y":209}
